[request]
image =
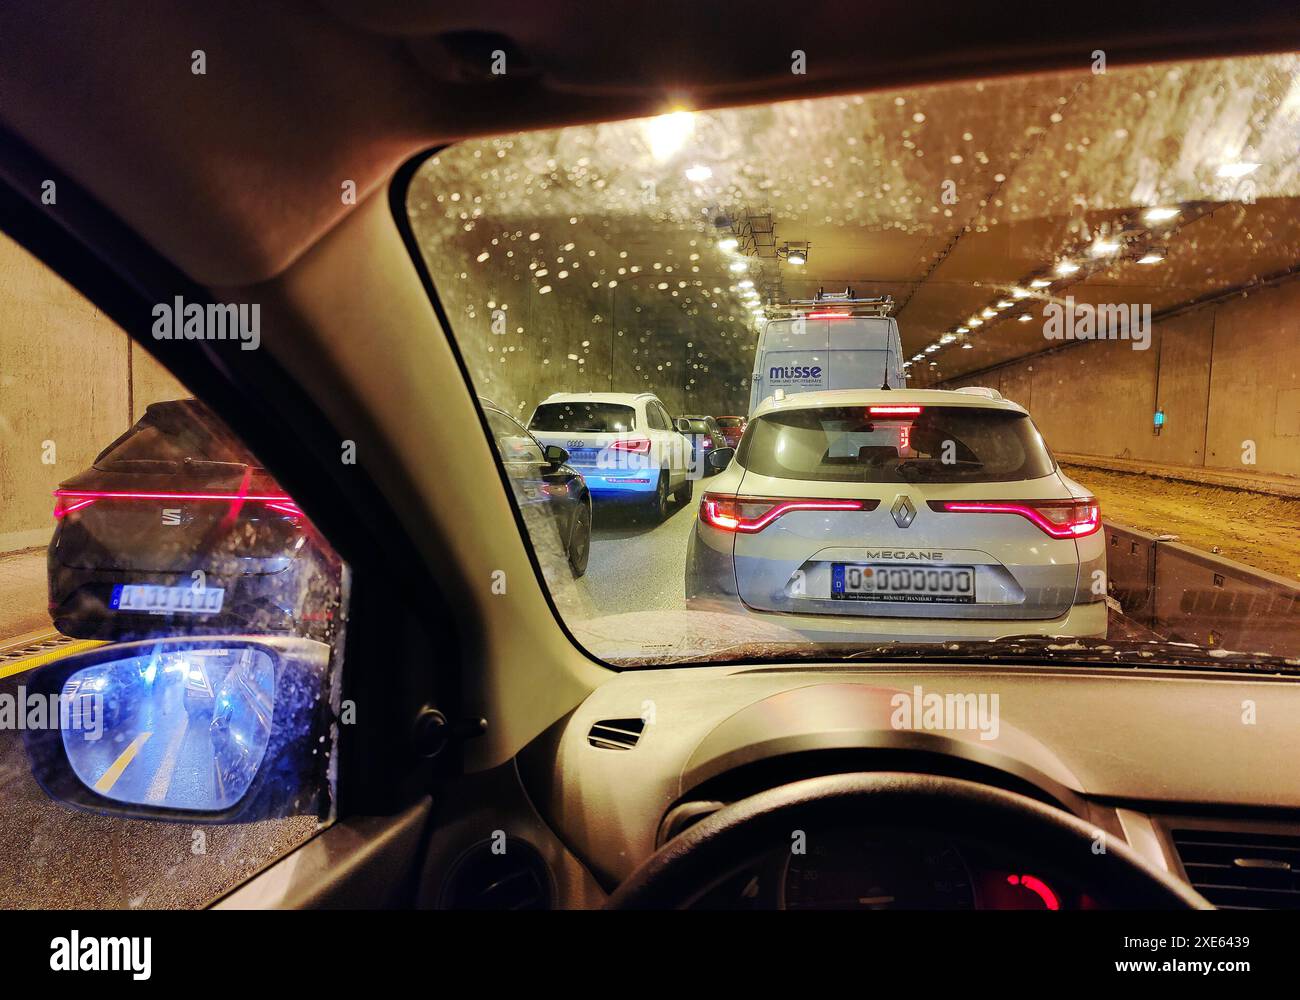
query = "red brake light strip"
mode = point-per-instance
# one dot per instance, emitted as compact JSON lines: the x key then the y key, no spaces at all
{"x":1075,"y":527}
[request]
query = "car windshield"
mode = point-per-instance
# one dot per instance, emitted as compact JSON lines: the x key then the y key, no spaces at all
{"x":848,"y":444}
{"x":588,"y":417}
{"x":1015,"y":361}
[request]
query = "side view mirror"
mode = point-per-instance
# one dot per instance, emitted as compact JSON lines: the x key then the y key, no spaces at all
{"x":683,"y":425}
{"x":555,"y":455}
{"x":721,"y":458}
{"x":211,"y":729}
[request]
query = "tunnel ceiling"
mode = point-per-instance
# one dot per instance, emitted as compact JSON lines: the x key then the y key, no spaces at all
{"x":947,"y":198}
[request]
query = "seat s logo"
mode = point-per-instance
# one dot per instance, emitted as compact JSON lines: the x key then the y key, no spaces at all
{"x":171,"y":515}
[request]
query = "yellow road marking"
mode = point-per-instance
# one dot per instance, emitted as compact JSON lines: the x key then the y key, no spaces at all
{"x":109,"y":778}
{"x":41,"y":659}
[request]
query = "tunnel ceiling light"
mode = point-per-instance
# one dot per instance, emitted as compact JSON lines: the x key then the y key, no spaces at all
{"x":728,"y":243}
{"x":698,"y":173}
{"x":1066,"y":267}
{"x":947,"y":338}
{"x":974,"y":321}
{"x":967,"y":346}
{"x":932,"y":348}
{"x":1039,"y":283}
{"x":1024,"y":318}
{"x":1104,"y":248}
{"x":666,"y":134}
{"x":988,"y":314}
{"x":739,"y":265}
{"x":963,"y":329}
{"x":1239,"y":169}
{"x":1019,"y":293}
{"x":1152,"y":257}
{"x":1004,"y":304}
{"x":1158,"y":215}
{"x":745,"y":284}
{"x":796,"y":257}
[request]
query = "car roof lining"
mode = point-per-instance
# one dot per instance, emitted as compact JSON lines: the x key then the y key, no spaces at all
{"x":235,"y":173}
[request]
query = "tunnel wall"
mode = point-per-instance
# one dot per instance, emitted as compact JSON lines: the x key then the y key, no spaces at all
{"x":68,"y":376}
{"x":1225,"y":373}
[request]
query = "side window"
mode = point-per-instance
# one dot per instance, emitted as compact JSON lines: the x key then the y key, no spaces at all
{"x":514,"y":443}
{"x":170,"y":628}
{"x":655,"y":415}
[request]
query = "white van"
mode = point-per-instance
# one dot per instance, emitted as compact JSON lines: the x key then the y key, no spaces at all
{"x":830,"y":342}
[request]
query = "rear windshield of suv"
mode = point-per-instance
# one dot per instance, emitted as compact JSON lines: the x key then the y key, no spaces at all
{"x":847,"y":444}
{"x":729,"y":422}
{"x":699,"y":426}
{"x":584,"y":417}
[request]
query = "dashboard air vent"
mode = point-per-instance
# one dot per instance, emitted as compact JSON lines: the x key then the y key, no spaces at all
{"x":1242,"y":871}
{"x":616,"y":734}
{"x":517,"y":879}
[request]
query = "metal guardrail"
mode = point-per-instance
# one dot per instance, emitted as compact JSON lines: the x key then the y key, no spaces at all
{"x":1187,"y":595}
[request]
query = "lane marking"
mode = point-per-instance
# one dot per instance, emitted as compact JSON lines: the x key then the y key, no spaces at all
{"x":42,"y":659}
{"x":162,"y":780}
{"x":109,"y":778}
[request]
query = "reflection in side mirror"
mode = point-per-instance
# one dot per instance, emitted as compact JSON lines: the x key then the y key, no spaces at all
{"x":205,"y":713}
{"x":222,"y":728}
{"x":721,"y":458}
{"x":555,"y":455}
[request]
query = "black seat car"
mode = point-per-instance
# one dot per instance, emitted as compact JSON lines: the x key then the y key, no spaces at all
{"x":175,"y":527}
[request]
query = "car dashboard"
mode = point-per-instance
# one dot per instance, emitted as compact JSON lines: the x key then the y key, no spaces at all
{"x":1189,"y":769}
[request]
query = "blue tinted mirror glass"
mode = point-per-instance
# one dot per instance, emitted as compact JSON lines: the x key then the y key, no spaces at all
{"x":183,"y":730}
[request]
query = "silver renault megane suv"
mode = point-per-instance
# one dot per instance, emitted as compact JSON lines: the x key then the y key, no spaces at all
{"x":909,"y":515}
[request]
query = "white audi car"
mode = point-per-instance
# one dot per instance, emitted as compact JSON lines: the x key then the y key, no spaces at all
{"x":911,"y":515}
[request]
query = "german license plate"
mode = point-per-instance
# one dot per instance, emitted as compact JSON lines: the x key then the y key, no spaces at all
{"x":903,"y":584}
{"x":160,"y":600}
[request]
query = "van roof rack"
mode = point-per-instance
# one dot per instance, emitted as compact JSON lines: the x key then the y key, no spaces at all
{"x":839,"y":303}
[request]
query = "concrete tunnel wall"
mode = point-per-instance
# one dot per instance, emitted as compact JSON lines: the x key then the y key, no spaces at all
{"x":68,"y":376}
{"x":1225,"y":373}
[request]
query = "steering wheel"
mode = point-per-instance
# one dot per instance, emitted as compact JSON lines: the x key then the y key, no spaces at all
{"x":737,"y":836}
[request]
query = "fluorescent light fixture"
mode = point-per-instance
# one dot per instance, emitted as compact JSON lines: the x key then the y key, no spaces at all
{"x":698,"y":173}
{"x":1160,"y":214}
{"x":963,"y":329}
{"x":1039,"y":283}
{"x":1104,"y":248}
{"x":796,"y":257}
{"x":947,"y":338}
{"x":745,"y":284}
{"x":1024,"y":318}
{"x":667,"y":134}
{"x":1066,"y":267}
{"x":739,"y":265}
{"x":967,"y":346}
{"x":1240,"y":169}
{"x":1019,"y":293}
{"x":1151,"y":257}
{"x":974,"y":321}
{"x":1004,"y":304}
{"x":988,"y":314}
{"x":728,"y":243}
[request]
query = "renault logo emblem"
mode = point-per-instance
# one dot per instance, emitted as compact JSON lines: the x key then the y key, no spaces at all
{"x":903,"y":511}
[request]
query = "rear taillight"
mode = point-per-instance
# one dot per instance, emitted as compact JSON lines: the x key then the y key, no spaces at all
{"x":637,"y":446}
{"x":751,"y":514}
{"x":67,"y":501}
{"x":1057,"y":518}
